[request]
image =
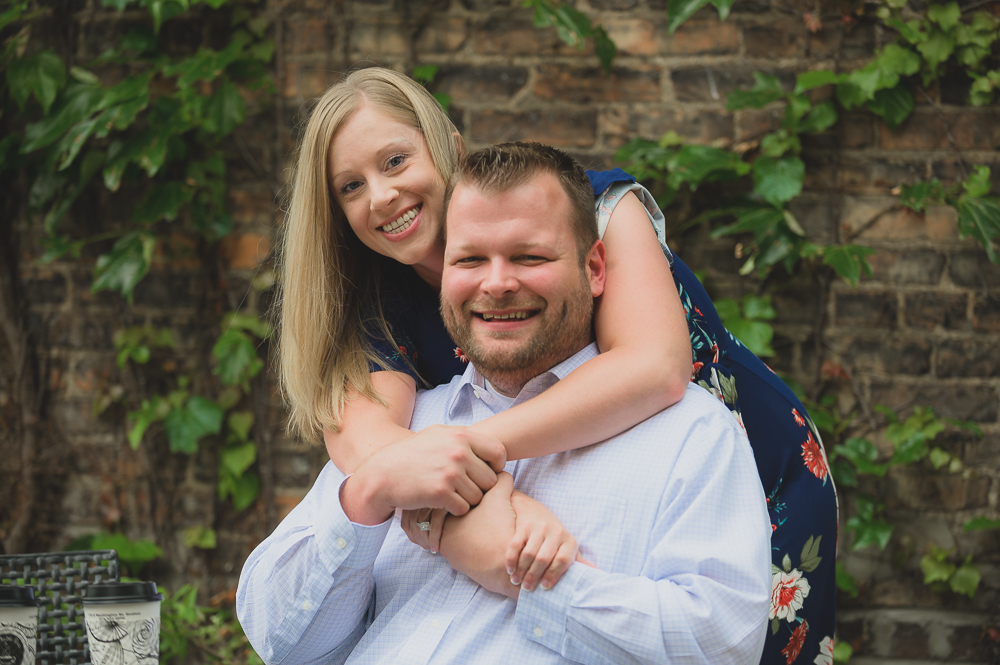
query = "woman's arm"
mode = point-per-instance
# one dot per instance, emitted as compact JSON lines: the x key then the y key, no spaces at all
{"x":645,"y":363}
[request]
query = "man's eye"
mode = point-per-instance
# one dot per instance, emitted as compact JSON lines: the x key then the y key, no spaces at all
{"x":467,"y":260}
{"x":530,"y":258}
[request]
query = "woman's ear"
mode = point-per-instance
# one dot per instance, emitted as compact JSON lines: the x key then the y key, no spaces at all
{"x":459,"y":143}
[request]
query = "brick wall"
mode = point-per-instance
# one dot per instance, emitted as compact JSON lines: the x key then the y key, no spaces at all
{"x":922,"y":331}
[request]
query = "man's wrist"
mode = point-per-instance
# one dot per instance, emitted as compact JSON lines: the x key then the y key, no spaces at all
{"x":361,"y":499}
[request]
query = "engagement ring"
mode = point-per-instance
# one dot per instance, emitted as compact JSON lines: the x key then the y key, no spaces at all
{"x":424,"y":526}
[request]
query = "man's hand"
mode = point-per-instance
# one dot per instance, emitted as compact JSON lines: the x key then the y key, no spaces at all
{"x":438,"y":467}
{"x":542,"y":549}
{"x":475,"y":544}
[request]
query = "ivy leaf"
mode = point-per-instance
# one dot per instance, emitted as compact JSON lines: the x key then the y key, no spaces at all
{"x":846,"y":582}
{"x":240,"y":458}
{"x":126,"y":265}
{"x":862,"y":453}
{"x":679,"y":11}
{"x":938,"y":458}
{"x":245,"y":490}
{"x":150,"y":411}
{"x":43,"y":75}
{"x":225,"y":110}
{"x":894,"y":105}
{"x":697,"y":164}
{"x":778,"y":180}
{"x":981,"y":523}
{"x":896,"y":60}
{"x":240,"y":423}
{"x":752,"y":333}
{"x":937,"y":49}
{"x":604,"y":47}
{"x":946,"y":16}
{"x":815,"y":79}
{"x":81,"y":101}
{"x":821,"y":117}
{"x":778,"y":143}
{"x":936,"y":567}
{"x":980,"y":219}
{"x":723,"y":7}
{"x":978,"y":184}
{"x":186,"y":425}
{"x":917,"y":197}
{"x":73,"y":141}
{"x":910,"y":31}
{"x":842,"y":652}
{"x":766,"y":89}
{"x":966,"y":579}
{"x":849,"y":261}
{"x":200,"y":537}
{"x":250,"y":322}
{"x":130,"y":551}
{"x":237,"y":357}
{"x":163,"y":202}
{"x":875,"y":532}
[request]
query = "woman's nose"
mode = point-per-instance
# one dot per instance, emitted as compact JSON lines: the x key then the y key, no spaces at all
{"x":383,"y":193}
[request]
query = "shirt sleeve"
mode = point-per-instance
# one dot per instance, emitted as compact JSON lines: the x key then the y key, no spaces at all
{"x":703,"y":593}
{"x":606,"y":202}
{"x":305,"y":593}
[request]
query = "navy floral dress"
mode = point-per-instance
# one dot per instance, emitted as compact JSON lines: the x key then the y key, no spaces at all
{"x":792,"y":464}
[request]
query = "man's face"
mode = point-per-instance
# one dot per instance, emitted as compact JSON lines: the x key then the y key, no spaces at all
{"x":513,"y":294}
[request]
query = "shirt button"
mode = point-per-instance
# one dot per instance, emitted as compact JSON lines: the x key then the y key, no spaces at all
{"x":341,"y":543}
{"x":435,"y":623}
{"x":307,"y":605}
{"x":538,"y":632}
{"x":478,"y":394}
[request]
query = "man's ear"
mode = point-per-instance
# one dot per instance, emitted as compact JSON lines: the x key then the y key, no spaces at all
{"x":596,"y":261}
{"x":459,"y":143}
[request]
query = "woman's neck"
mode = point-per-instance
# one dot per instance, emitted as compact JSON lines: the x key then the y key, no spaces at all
{"x":431,"y":267}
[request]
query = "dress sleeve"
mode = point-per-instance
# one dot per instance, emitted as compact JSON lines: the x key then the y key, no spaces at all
{"x":400,"y":351}
{"x":605,"y":205}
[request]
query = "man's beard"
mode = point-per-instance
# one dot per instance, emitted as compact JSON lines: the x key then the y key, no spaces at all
{"x":559,"y":335}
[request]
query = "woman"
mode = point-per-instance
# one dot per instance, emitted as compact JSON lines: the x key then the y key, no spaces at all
{"x":362,"y":260}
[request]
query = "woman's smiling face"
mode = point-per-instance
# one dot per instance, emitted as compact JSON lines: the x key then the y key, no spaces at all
{"x":384,"y":179}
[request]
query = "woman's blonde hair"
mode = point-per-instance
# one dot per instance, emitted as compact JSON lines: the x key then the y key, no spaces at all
{"x":330,"y":301}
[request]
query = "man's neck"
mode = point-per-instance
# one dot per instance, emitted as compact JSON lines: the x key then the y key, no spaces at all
{"x":511,"y":382}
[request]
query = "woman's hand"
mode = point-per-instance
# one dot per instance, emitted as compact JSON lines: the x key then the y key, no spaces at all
{"x":429,"y":539}
{"x":542,"y":549}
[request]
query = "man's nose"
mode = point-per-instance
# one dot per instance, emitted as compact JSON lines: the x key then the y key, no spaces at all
{"x":501,"y":278}
{"x":383,"y":193}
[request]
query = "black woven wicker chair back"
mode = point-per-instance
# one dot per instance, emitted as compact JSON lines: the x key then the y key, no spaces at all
{"x":60,"y":580}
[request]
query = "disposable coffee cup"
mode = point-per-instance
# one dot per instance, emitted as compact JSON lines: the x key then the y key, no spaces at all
{"x":123,"y":623}
{"x":18,"y":622}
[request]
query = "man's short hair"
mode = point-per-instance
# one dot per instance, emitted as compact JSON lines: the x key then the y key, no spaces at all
{"x":504,"y":166}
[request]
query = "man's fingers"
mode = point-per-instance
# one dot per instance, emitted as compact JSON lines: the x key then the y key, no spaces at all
{"x":513,"y":555}
{"x":546,"y":553}
{"x":560,"y":564}
{"x":528,"y":554}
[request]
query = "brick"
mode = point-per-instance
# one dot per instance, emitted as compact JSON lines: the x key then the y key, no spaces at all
{"x":160,"y":288}
{"x":752,"y":124}
{"x":388,"y":36}
{"x":614,"y":5}
{"x":553,"y":126}
{"x":877,"y":218}
{"x":701,"y":38}
{"x":957,"y":358}
{"x":921,"y":131}
{"x":306,"y":80}
{"x":855,"y":130}
{"x":986,"y":313}
{"x":309,"y":35}
{"x":251,"y":207}
{"x":975,"y":131}
{"x":866,"y":309}
{"x":858,"y":42}
{"x":886,"y":355}
{"x":694,"y":126}
{"x":917,"y":490}
{"x":480,"y":84}
{"x":909,"y":641}
{"x":486,"y":5}
{"x":709,"y":84}
{"x":825,"y":42}
{"x":590,"y":84}
{"x":967,"y":402}
{"x":634,"y":36}
{"x":245,"y":251}
{"x":796,"y":301}
{"x":292,"y":471}
{"x":970,"y":643}
{"x":46,"y":288}
{"x":972,"y":268}
{"x":815,"y":217}
{"x":954,"y":87}
{"x":931,"y":310}
{"x":512,"y":37}
{"x":782,"y":39}
{"x":923,"y":266}
{"x":443,"y":35}
{"x":873,"y":175}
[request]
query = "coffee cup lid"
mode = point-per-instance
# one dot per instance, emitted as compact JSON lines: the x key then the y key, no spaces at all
{"x":122,"y":592}
{"x":17,"y":596}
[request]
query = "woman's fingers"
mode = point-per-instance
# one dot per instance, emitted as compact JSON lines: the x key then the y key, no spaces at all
{"x":436,"y":518}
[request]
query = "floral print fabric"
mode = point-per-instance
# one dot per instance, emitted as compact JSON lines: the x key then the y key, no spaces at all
{"x":790,"y":460}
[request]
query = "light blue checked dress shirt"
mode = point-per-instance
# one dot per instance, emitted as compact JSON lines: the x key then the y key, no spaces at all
{"x":671,"y":512}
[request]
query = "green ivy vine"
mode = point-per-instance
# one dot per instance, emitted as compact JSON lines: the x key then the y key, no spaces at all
{"x":149,"y":128}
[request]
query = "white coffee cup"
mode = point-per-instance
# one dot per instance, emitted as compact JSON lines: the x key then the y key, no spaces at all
{"x":18,"y":623}
{"x":123,"y":623}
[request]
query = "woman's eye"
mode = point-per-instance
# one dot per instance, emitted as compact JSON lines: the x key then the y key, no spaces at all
{"x":394,"y":161}
{"x":350,"y":186}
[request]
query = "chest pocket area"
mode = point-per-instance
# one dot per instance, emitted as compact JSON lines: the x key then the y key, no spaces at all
{"x":597,"y":521}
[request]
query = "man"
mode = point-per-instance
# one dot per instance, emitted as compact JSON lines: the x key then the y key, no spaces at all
{"x":671,"y":513}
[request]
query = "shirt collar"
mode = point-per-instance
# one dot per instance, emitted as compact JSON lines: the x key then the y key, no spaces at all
{"x":472,"y":384}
